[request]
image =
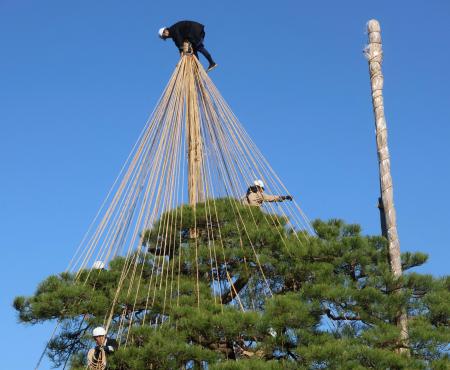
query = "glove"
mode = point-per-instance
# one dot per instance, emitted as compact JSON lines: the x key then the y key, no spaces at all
{"x":286,"y":197}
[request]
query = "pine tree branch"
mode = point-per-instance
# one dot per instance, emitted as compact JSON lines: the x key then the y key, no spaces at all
{"x":341,"y":317}
{"x":293,"y":355}
{"x":239,"y":284}
{"x":222,"y":346}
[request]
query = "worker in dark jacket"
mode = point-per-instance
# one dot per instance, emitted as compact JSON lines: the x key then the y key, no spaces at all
{"x":191,"y":31}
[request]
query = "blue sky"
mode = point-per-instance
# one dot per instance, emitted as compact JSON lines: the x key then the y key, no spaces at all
{"x":78,"y":80}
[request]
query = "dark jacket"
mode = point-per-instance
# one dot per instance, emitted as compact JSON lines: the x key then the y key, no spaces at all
{"x":110,"y":345}
{"x":191,"y":31}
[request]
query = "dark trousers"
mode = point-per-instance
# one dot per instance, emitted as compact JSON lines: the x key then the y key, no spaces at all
{"x":201,"y":48}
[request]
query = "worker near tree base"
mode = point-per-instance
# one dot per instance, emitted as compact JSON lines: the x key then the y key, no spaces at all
{"x":191,"y":31}
{"x":105,"y":346}
{"x":256,"y":197}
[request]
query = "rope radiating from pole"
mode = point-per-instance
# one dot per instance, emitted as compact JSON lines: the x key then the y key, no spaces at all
{"x":192,"y":151}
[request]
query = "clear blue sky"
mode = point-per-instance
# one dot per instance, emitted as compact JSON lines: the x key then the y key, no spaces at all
{"x":78,"y":80}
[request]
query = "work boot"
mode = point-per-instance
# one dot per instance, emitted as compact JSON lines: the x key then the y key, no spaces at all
{"x":211,"y":67}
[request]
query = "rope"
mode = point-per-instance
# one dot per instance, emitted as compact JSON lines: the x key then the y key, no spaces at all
{"x":191,"y":135}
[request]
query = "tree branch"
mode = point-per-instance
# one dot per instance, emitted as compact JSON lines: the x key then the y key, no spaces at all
{"x":239,"y":284}
{"x":341,"y":317}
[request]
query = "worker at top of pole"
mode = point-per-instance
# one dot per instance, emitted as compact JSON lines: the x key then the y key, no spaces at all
{"x":192,"y":32}
{"x":256,"y":197}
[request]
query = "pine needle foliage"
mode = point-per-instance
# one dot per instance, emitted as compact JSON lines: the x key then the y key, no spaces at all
{"x":328,"y":302}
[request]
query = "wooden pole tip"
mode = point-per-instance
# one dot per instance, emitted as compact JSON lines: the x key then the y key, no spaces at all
{"x":373,"y":26}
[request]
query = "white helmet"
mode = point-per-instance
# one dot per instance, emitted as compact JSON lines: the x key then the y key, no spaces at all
{"x":98,"y":265}
{"x":98,"y":331}
{"x":161,"y":31}
{"x":259,"y":183}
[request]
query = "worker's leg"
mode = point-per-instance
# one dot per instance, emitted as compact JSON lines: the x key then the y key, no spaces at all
{"x":207,"y":55}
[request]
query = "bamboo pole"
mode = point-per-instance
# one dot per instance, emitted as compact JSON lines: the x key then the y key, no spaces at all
{"x":374,"y":54}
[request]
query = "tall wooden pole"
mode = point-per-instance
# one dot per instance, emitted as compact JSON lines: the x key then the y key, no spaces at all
{"x":195,"y":145}
{"x":374,"y":54}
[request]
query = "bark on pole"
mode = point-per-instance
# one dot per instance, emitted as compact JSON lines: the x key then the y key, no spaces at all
{"x":374,"y":54}
{"x":194,"y":138}
{"x":195,"y":145}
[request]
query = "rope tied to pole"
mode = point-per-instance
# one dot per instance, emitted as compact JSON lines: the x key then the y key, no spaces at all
{"x":187,"y":48}
{"x":192,"y":141}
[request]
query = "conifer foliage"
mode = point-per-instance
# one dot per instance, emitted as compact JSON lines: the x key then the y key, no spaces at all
{"x":328,"y":303}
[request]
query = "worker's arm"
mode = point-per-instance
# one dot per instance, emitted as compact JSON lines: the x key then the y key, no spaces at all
{"x":110,"y":346}
{"x":176,"y":33}
{"x":271,"y":198}
{"x":276,"y":198}
{"x":178,"y":41}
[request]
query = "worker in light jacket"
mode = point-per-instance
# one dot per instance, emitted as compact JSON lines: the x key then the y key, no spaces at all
{"x":256,"y":197}
{"x":105,"y":346}
{"x":191,"y":31}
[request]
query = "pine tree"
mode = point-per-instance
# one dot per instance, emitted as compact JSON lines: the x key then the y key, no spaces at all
{"x":330,"y":302}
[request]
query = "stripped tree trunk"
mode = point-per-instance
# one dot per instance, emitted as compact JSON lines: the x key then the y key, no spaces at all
{"x":374,"y":54}
{"x":195,"y":147}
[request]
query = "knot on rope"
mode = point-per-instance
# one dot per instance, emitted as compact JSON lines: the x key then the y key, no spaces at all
{"x":187,"y":48}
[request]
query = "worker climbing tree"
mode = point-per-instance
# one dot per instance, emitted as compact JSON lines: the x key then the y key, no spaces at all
{"x":183,"y":272}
